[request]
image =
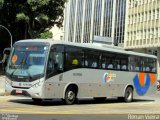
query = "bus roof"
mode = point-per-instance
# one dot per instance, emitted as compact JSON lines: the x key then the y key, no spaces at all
{"x":91,"y":46}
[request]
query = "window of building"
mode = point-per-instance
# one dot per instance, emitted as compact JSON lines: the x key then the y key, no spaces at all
{"x":157,"y":16}
{"x":130,"y":43}
{"x":146,"y":1}
{"x":137,"y":42}
{"x":152,"y":33}
{"x":138,"y":35}
{"x":145,"y":16}
{"x":144,"y":41}
{"x":128,"y":36}
{"x":140,"y":42}
{"x":148,"y":34}
{"x":131,"y":36}
{"x":142,"y":16}
{"x":128,"y":19}
{"x":132,"y":20}
{"x":156,"y":33}
{"x":139,"y":2}
{"x":145,"y":34}
{"x":141,"y":34}
{"x":149,"y":18}
{"x":133,"y":42}
{"x":135,"y":35}
{"x":153,"y":15}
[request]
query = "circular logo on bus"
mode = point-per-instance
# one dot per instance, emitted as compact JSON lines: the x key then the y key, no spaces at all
{"x":107,"y":77}
{"x":14,"y":58}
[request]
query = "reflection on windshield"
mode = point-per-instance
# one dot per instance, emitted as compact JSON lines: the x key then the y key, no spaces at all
{"x":27,"y":61}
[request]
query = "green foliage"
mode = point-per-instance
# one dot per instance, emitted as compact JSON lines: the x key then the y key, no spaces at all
{"x":45,"y":35}
{"x":43,"y":19}
{"x":22,"y":16}
{"x":30,"y":18}
{"x":1,"y":3}
{"x":35,"y":4}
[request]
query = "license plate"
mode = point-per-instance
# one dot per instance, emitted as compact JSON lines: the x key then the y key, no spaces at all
{"x":19,"y":91}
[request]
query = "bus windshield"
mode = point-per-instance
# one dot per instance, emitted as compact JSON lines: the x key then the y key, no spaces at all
{"x":27,"y":60}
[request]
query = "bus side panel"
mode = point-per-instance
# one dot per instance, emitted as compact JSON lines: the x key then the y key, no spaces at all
{"x":54,"y":87}
{"x":93,"y":83}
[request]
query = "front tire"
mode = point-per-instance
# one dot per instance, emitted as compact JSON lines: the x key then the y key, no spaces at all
{"x":70,"y":96}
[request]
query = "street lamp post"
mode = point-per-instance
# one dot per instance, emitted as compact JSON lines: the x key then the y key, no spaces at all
{"x":8,"y":32}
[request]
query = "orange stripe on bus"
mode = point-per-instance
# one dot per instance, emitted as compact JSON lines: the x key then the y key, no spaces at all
{"x":152,"y":78}
{"x":141,"y":78}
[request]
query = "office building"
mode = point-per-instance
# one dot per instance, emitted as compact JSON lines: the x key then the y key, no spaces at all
{"x":88,"y":18}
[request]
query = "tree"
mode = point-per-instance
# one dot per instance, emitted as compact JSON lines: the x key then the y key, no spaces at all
{"x":31,"y":18}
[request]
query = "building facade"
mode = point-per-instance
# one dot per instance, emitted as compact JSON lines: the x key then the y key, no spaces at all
{"x":143,"y":26}
{"x":88,"y":18}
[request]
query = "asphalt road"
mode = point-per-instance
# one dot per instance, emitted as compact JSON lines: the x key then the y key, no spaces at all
{"x":22,"y":108}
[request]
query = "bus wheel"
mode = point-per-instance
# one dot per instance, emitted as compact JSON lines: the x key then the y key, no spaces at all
{"x":36,"y":100}
{"x":70,"y":96}
{"x":128,"y":96}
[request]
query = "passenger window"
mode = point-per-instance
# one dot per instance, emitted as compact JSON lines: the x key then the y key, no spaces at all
{"x":92,"y":59}
{"x":74,"y":57}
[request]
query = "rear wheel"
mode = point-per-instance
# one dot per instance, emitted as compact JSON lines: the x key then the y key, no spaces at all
{"x":128,"y":96}
{"x":70,"y":96}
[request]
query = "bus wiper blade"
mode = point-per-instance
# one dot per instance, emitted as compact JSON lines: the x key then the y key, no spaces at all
{"x":11,"y":75}
{"x":29,"y":75}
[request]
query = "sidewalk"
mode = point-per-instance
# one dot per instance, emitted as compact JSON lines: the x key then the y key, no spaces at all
{"x":2,"y":85}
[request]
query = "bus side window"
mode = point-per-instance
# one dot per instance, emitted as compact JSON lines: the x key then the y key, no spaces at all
{"x":147,"y":69}
{"x":103,"y":65}
{"x":124,"y":67}
{"x":50,"y":65}
{"x":74,"y":58}
{"x":59,"y":61}
{"x":92,"y":58}
{"x":137,"y":69}
{"x":110,"y":66}
{"x":94,"y":64}
{"x":86,"y":63}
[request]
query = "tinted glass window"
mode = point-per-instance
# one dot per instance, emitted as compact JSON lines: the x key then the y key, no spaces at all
{"x":92,"y":59}
{"x":74,"y":58}
{"x":55,"y":60}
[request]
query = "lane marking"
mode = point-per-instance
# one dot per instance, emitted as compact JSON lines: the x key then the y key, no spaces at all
{"x":33,"y":112}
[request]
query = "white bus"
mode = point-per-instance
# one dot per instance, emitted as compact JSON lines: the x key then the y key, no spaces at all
{"x":46,"y":69}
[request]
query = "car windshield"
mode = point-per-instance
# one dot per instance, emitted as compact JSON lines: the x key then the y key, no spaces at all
{"x":27,"y":60}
